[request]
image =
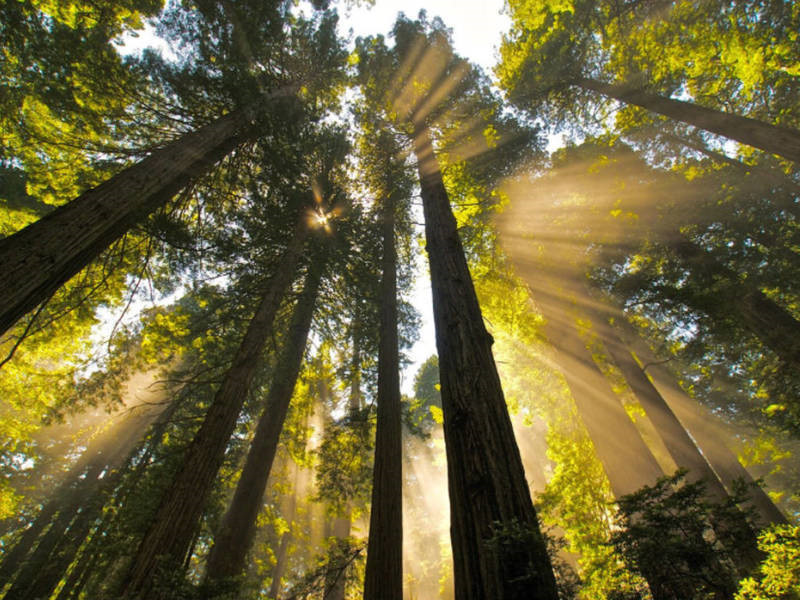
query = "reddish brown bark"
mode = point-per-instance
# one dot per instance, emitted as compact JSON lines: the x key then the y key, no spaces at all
{"x":237,"y":530}
{"x":40,"y":258}
{"x":490,"y":502}
{"x":170,"y":533}
{"x":384,"y":572}
{"x":782,"y":141}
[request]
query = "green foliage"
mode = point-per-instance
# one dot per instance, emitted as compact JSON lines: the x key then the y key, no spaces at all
{"x":686,"y":546}
{"x":779,"y":574}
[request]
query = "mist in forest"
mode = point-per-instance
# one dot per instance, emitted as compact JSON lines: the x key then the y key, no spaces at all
{"x":616,"y":318}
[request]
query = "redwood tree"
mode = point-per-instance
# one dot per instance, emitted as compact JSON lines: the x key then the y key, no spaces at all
{"x":235,"y":534}
{"x":169,"y":535}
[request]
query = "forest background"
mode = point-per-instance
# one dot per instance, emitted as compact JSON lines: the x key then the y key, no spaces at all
{"x":208,"y":262}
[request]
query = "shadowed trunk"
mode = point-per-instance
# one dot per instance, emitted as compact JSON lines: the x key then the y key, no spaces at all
{"x":237,"y":530}
{"x":384,"y":573}
{"x":679,"y":444}
{"x":63,"y":524}
{"x":627,"y":460}
{"x":703,"y":428}
{"x":40,"y":258}
{"x":782,"y":141}
{"x":769,"y":322}
{"x":498,"y":550}
{"x":171,"y":530}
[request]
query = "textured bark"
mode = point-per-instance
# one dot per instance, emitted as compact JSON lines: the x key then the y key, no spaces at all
{"x":782,"y":141}
{"x":703,"y":428}
{"x":170,"y":533}
{"x":679,"y":444}
{"x":491,"y":508}
{"x":237,"y":530}
{"x":384,"y":572}
{"x":40,"y":258}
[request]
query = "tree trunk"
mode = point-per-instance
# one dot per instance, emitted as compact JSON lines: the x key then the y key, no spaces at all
{"x":384,"y":572}
{"x":782,"y":141}
{"x":73,"y":500}
{"x":703,"y":428}
{"x":280,"y":565}
{"x":237,"y":530}
{"x":41,"y":257}
{"x":772,"y":324}
{"x":627,"y":461}
{"x":170,"y":533}
{"x":498,"y":550}
{"x":679,"y":444}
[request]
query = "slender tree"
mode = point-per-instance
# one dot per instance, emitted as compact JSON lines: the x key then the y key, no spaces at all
{"x":235,"y":534}
{"x":627,"y":460}
{"x":703,"y":427}
{"x":384,"y":574}
{"x":169,"y":535}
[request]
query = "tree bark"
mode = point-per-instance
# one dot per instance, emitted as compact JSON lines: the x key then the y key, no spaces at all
{"x":627,"y":461}
{"x":384,"y":572}
{"x":703,"y":428}
{"x":41,"y":257}
{"x":167,"y":540}
{"x":498,"y":550}
{"x":782,"y":141}
{"x":237,"y":530}
{"x":679,"y":444}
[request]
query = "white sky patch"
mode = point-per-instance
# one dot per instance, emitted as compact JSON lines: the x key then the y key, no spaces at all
{"x":477,"y":25}
{"x":134,"y":42}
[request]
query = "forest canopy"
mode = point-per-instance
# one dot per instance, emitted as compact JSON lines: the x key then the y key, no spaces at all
{"x":212,"y":378}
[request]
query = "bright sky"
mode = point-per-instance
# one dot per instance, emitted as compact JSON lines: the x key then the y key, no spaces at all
{"x":477,"y":25}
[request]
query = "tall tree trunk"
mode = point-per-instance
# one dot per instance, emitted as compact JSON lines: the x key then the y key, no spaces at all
{"x":40,"y":258}
{"x":237,"y":530}
{"x":90,"y":553}
{"x":170,"y":533}
{"x":384,"y":572}
{"x":498,"y":550}
{"x":627,"y":461}
{"x":679,"y":444}
{"x":66,"y":494}
{"x":782,"y":141}
{"x":703,"y":428}
{"x":107,"y":452}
